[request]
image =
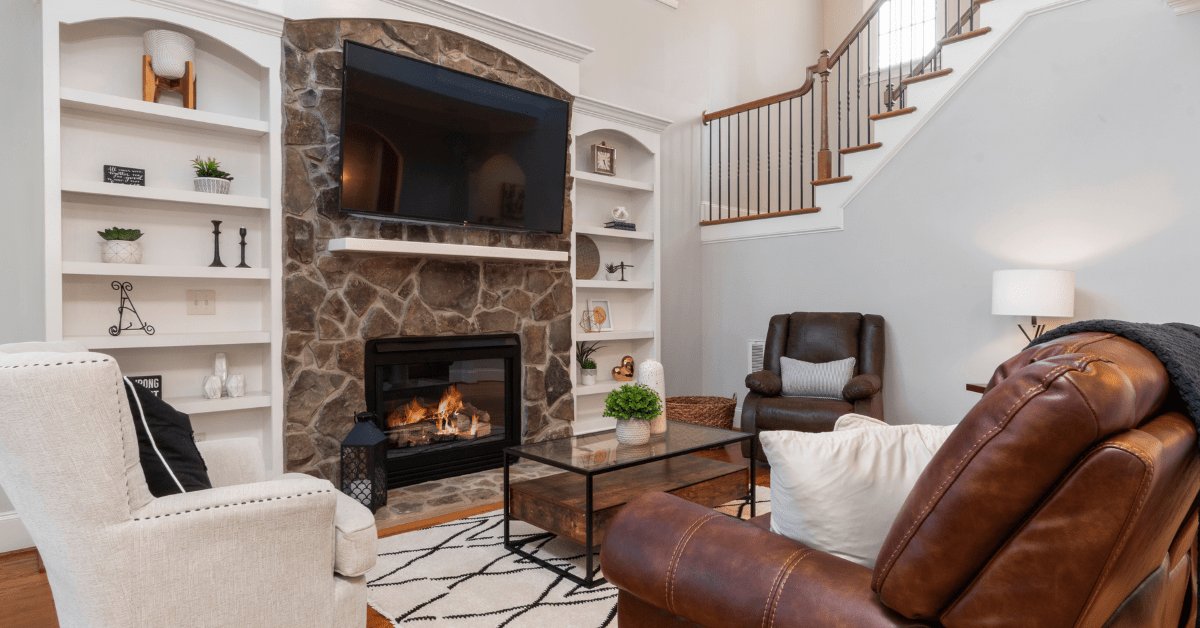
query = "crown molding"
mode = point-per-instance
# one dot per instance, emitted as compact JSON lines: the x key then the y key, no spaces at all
{"x":1184,"y":6}
{"x":608,"y":111}
{"x":227,"y":12}
{"x":497,"y":26}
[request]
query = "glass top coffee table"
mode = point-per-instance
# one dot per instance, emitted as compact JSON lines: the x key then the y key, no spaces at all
{"x":602,"y":476}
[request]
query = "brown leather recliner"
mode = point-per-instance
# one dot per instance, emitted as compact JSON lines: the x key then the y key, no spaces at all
{"x":1065,"y":498}
{"x":815,"y":337}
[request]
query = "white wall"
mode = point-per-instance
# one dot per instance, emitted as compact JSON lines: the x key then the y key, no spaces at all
{"x":22,"y":279}
{"x":676,"y":63}
{"x":1073,"y":147}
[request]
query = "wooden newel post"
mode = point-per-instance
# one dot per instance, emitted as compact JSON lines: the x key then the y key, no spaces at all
{"x":824,"y":156}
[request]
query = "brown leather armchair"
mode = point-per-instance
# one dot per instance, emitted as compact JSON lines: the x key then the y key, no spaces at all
{"x":815,"y":337}
{"x":1065,"y":498}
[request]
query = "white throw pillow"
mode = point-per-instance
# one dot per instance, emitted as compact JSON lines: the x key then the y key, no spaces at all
{"x":838,"y":492}
{"x":824,"y":380}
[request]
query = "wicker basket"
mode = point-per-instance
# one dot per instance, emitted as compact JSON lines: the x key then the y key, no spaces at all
{"x":708,"y":411}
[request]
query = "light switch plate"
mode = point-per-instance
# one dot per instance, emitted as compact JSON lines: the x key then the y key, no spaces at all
{"x":201,"y":302}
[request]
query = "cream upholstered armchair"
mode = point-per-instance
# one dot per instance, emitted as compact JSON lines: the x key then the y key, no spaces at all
{"x":288,"y":552}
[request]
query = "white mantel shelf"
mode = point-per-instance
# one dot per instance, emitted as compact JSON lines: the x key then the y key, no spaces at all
{"x":439,"y":249}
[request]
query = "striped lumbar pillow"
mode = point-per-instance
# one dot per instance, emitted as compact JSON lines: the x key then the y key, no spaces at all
{"x":807,"y":379}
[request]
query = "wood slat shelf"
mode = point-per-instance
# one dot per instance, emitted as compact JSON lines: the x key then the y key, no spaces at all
{"x":440,"y":249}
{"x":74,"y":189}
{"x":614,"y":285}
{"x":203,"y":405}
{"x":156,"y":270}
{"x":81,"y":100}
{"x":139,"y":340}
{"x":612,"y":182}
{"x":605,"y":232}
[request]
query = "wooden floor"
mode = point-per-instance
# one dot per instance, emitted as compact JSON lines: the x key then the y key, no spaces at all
{"x":26,"y":602}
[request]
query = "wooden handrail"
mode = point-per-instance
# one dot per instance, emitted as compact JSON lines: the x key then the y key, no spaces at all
{"x":763,"y":102}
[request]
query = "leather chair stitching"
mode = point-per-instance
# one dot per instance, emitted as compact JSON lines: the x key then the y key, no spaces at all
{"x":1127,"y":528}
{"x":937,"y":494}
{"x":778,"y":592}
{"x":773,"y":592}
{"x":669,"y":585}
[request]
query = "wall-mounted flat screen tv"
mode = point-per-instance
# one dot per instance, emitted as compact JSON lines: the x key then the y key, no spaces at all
{"x":422,"y":142}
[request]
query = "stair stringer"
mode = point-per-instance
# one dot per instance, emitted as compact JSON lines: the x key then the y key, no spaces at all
{"x":1004,"y":17}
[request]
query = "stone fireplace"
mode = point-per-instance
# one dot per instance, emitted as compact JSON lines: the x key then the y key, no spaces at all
{"x":335,"y":303}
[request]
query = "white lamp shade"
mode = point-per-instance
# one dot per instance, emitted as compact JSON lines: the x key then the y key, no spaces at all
{"x":1034,"y":293}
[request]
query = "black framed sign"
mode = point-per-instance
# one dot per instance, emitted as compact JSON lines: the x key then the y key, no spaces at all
{"x":124,"y":176}
{"x":153,"y":383}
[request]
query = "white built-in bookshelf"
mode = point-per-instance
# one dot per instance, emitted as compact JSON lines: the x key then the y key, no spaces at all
{"x":635,"y":304}
{"x":95,"y":116}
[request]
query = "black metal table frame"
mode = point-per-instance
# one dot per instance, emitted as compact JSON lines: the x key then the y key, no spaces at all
{"x":589,"y":581}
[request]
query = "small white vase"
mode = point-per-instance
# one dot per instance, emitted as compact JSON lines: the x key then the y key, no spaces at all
{"x":659,"y":424}
{"x":587,"y":377}
{"x":633,"y":431}
{"x":212,"y":185}
{"x":169,"y":52}
{"x":212,"y":387}
{"x":235,"y":386}
{"x":120,"y":252}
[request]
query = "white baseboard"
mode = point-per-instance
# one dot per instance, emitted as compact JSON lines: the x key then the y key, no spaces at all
{"x":13,"y":535}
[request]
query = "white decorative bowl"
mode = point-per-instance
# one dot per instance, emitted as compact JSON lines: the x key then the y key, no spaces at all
{"x":633,"y":431}
{"x":120,"y":252}
{"x":169,"y":52}
{"x":212,"y":185}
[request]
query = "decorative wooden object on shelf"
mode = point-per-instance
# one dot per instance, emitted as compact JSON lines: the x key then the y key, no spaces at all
{"x":624,"y":373}
{"x":153,"y":85}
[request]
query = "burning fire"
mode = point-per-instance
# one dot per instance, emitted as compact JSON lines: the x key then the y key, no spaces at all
{"x":443,"y":414}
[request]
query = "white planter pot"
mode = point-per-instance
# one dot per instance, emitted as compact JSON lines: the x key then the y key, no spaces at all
{"x":659,"y":425}
{"x":587,"y":377}
{"x":212,"y":185}
{"x":612,"y":276}
{"x":169,"y":52}
{"x":120,"y":252}
{"x":633,"y":431}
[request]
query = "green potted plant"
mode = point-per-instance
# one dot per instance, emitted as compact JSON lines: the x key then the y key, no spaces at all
{"x":587,"y":366}
{"x":210,"y":177}
{"x":120,"y":246}
{"x":633,"y":406}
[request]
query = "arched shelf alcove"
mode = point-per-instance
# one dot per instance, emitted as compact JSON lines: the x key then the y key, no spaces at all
{"x":634,"y":161}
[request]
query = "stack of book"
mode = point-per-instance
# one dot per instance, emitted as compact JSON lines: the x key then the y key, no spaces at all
{"x":623,"y":226}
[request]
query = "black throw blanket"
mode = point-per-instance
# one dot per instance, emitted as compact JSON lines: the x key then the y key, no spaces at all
{"x":1176,"y":345}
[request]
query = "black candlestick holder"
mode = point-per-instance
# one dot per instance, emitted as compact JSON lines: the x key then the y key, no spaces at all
{"x":242,"y":232}
{"x":216,"y":263}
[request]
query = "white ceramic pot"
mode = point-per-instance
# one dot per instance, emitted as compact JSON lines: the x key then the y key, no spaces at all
{"x":587,"y":377}
{"x":212,"y":185}
{"x":236,"y":385}
{"x":659,"y":425}
{"x":120,"y":252}
{"x":633,"y":431}
{"x":212,"y":387}
{"x":169,"y":52}
{"x":612,"y":276}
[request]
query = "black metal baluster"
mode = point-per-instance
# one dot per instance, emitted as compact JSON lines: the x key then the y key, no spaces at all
{"x":768,"y":108}
{"x":812,"y":139}
{"x":739,"y":163}
{"x":719,"y":169}
{"x":791,"y":177}
{"x":858,"y":90}
{"x":757,"y":161}
{"x":779,"y":155}
{"x":710,"y":172}
{"x":869,"y":80}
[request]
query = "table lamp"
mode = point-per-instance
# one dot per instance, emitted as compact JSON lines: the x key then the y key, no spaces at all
{"x":1033,"y":293}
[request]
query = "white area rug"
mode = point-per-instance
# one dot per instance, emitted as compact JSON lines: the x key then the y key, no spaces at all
{"x":459,"y":574}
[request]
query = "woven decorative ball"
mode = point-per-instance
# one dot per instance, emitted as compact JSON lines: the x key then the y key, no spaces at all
{"x":587,"y":258}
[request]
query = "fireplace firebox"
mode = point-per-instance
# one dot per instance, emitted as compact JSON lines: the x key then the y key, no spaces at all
{"x":449,"y":405}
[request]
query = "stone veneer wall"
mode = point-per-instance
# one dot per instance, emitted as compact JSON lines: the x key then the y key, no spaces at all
{"x":334,"y":302}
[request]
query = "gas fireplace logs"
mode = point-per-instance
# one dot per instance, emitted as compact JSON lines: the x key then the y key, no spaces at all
{"x":418,"y":423}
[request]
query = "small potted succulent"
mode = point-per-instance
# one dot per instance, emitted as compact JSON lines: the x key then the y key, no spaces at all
{"x":587,"y":366}
{"x":633,"y":406}
{"x":120,"y":246}
{"x":210,"y":177}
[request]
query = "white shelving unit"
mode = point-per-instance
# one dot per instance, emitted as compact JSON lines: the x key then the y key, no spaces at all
{"x":94,"y":116}
{"x":634,"y":304}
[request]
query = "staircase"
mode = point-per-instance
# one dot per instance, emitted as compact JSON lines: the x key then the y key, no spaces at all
{"x":788,"y":164}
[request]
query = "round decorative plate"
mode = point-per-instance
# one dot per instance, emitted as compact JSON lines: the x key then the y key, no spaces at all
{"x":587,"y":258}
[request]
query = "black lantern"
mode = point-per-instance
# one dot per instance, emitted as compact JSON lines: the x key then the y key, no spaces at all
{"x":364,"y":460}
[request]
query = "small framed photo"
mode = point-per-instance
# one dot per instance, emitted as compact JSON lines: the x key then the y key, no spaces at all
{"x":604,"y":159}
{"x":601,"y":314}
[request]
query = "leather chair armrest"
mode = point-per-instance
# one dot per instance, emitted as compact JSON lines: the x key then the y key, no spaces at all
{"x":861,"y":387}
{"x":721,"y":572}
{"x":766,"y":383}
